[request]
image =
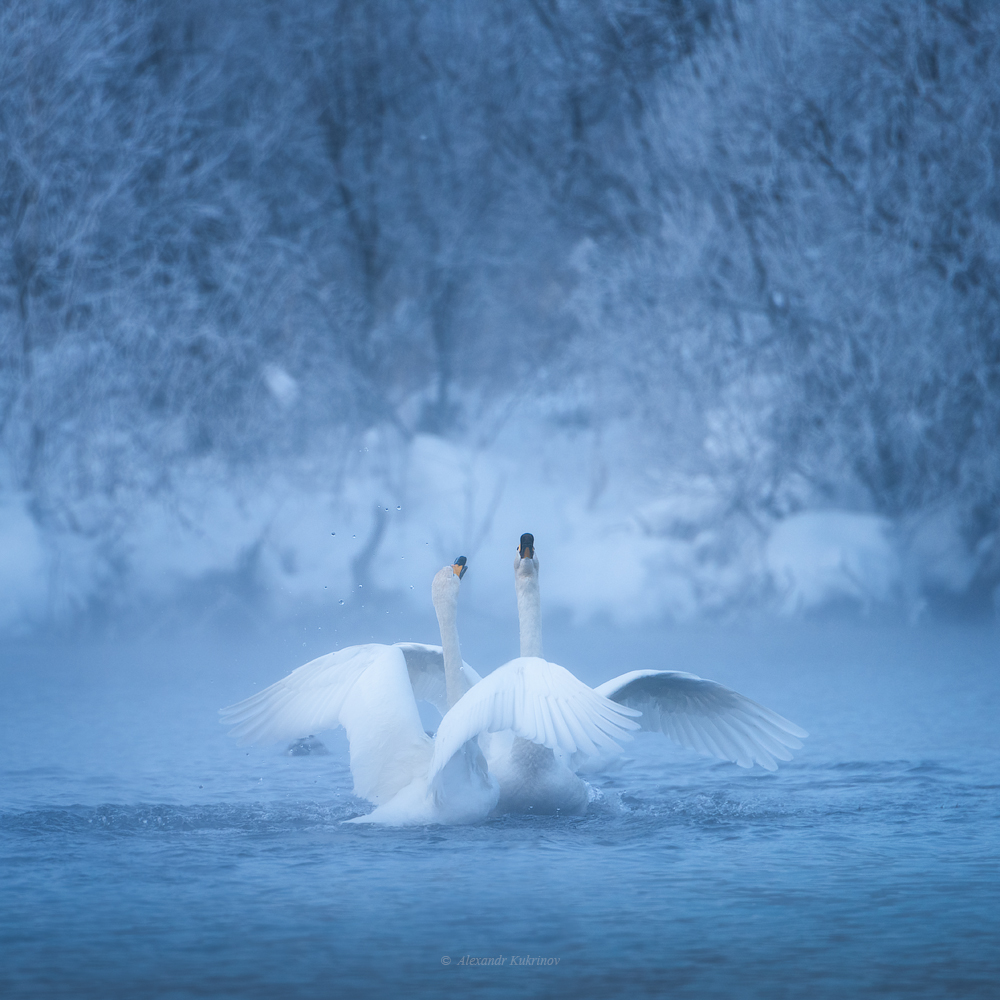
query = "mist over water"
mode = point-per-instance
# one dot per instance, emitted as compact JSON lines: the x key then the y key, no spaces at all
{"x":145,"y":852}
{"x":300,"y":302}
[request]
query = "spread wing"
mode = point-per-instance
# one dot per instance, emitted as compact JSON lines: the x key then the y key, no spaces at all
{"x":706,"y":716}
{"x":308,"y":700}
{"x":367,"y":690}
{"x":425,"y":665}
{"x":539,"y":701}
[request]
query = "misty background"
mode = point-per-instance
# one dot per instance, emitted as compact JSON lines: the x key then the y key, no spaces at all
{"x":300,"y":300}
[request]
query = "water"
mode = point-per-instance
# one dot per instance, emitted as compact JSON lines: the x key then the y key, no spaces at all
{"x":144,"y":854}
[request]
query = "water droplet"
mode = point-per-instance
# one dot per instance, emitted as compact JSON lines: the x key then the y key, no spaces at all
{"x":411,"y":586}
{"x":341,"y":602}
{"x":360,"y":585}
{"x":333,"y":532}
{"x":398,"y":507}
{"x":325,"y":587}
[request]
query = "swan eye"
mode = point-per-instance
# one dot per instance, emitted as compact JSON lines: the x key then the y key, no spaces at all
{"x":459,"y":567}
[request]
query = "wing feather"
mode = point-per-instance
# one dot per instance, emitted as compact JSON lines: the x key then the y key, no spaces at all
{"x":532,"y":723}
{"x":522,"y":696}
{"x":308,"y":700}
{"x":581,"y":737}
{"x":564,"y":735}
{"x":706,"y":716}
{"x":366,"y":689}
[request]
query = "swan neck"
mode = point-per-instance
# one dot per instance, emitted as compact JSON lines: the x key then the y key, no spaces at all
{"x":447,"y":616}
{"x":529,"y":614}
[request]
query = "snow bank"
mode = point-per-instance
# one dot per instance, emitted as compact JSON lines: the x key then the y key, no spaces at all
{"x":612,"y":542}
{"x":820,"y":556}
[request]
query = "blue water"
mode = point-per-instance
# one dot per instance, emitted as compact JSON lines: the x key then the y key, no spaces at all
{"x":144,"y":854}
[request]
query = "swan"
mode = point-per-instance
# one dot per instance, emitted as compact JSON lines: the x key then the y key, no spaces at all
{"x":540,"y":707}
{"x":699,"y":714}
{"x":411,"y":778}
{"x":310,"y":696}
{"x":372,"y":691}
{"x":459,"y":789}
{"x":531,"y":776}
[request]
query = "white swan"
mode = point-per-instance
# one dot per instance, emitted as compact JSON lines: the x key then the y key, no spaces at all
{"x":372,"y":692}
{"x":699,"y":714}
{"x":532,"y":777}
{"x":520,"y":713}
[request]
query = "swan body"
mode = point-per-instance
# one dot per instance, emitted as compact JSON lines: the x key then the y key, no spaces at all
{"x":534,"y":779}
{"x":531,"y":703}
{"x":531,"y":776}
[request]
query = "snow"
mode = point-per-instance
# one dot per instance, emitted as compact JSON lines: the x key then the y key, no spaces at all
{"x":23,"y":576}
{"x":635,"y":551}
{"x":821,"y":556}
{"x":701,"y":334}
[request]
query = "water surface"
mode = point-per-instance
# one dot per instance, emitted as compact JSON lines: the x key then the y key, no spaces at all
{"x":145,"y":854}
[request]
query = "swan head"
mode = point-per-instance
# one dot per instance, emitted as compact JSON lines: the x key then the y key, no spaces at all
{"x":444,"y":587}
{"x":526,"y":562}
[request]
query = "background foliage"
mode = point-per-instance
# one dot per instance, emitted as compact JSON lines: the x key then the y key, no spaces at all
{"x":757,"y":243}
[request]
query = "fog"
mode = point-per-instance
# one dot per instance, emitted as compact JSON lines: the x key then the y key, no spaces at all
{"x":300,"y":301}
